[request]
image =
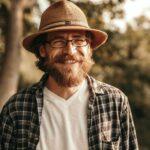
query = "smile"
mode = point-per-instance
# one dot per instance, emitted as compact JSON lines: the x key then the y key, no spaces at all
{"x":69,"y":62}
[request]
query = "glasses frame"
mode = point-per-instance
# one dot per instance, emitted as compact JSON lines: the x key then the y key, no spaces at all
{"x":67,"y":41}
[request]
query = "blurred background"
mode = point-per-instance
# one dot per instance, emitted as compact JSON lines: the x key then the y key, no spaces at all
{"x":124,"y":61}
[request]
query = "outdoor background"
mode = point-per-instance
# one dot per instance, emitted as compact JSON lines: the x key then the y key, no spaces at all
{"x":124,"y":61}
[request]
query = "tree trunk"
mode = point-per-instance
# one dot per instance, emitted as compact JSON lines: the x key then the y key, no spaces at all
{"x":10,"y":69}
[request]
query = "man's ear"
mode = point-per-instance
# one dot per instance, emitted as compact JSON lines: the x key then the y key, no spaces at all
{"x":42,"y":51}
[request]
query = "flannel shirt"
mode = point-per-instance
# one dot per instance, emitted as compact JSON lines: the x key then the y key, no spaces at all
{"x":109,"y":120}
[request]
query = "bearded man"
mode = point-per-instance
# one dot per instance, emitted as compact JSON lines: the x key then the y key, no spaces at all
{"x":67,"y":109}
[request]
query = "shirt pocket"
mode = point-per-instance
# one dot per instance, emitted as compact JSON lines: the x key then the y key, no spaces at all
{"x":108,"y":137}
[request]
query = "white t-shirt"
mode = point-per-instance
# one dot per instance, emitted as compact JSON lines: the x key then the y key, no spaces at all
{"x":64,"y":122}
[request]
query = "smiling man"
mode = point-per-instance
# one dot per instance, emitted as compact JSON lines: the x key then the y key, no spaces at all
{"x":67,"y":109}
{"x":68,"y":58}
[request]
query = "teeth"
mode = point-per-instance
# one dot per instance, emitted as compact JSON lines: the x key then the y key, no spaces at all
{"x":70,"y":61}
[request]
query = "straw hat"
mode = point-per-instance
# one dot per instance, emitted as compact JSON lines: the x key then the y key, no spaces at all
{"x":61,"y":16}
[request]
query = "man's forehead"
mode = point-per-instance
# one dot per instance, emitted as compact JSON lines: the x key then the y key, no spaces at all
{"x":66,"y":33}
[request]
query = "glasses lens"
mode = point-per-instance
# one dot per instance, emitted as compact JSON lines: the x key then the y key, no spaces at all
{"x":58,"y":43}
{"x":79,"y":42}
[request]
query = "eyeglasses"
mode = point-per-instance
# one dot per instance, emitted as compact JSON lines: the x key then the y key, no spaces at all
{"x":61,"y":43}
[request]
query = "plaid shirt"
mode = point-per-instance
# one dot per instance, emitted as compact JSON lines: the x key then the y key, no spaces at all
{"x":109,"y":119}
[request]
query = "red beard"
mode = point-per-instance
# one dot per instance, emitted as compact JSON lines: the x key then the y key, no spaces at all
{"x":65,"y":76}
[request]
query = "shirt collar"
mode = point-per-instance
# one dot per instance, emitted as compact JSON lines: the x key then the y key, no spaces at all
{"x":94,"y":85}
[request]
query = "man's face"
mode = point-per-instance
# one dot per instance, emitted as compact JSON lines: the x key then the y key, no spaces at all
{"x":68,"y":57}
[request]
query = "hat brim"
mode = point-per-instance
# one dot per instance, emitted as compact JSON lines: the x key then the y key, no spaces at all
{"x":99,"y":37}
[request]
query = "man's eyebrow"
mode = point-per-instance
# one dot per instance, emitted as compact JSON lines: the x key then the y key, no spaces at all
{"x":62,"y":37}
{"x":77,"y":36}
{"x":57,"y":36}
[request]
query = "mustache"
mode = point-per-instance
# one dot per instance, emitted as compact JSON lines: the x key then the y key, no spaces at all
{"x":63,"y":58}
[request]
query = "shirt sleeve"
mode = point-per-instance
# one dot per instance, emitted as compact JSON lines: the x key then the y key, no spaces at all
{"x":6,"y":129}
{"x":128,"y":132}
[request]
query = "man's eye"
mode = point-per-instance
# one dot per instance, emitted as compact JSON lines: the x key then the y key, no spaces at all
{"x":58,"y":42}
{"x":80,"y":41}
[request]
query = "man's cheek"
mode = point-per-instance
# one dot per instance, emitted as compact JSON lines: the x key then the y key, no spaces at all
{"x":85,"y":51}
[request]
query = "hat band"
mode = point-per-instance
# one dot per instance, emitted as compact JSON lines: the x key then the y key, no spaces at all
{"x":62,"y":23}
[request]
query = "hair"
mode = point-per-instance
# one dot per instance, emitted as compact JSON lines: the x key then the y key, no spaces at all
{"x":89,"y":35}
{"x":40,"y":40}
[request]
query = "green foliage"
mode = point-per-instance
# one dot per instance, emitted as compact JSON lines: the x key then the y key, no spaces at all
{"x":96,"y":12}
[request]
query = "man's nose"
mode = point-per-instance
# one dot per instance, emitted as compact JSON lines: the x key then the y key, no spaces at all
{"x":70,"y":49}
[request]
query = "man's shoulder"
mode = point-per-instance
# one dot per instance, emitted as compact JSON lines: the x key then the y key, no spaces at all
{"x":109,"y":96}
{"x":23,"y":97}
{"x":107,"y":90}
{"x":24,"y":93}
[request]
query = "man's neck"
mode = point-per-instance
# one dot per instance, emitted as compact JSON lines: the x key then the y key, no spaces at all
{"x":64,"y":92}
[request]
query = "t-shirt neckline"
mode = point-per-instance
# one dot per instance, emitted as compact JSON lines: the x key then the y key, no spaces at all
{"x":51,"y":96}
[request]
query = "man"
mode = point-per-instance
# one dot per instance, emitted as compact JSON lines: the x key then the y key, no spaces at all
{"x":67,"y":109}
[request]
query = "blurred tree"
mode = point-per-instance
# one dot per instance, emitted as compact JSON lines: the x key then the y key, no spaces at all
{"x":10,"y":67}
{"x":97,"y":12}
